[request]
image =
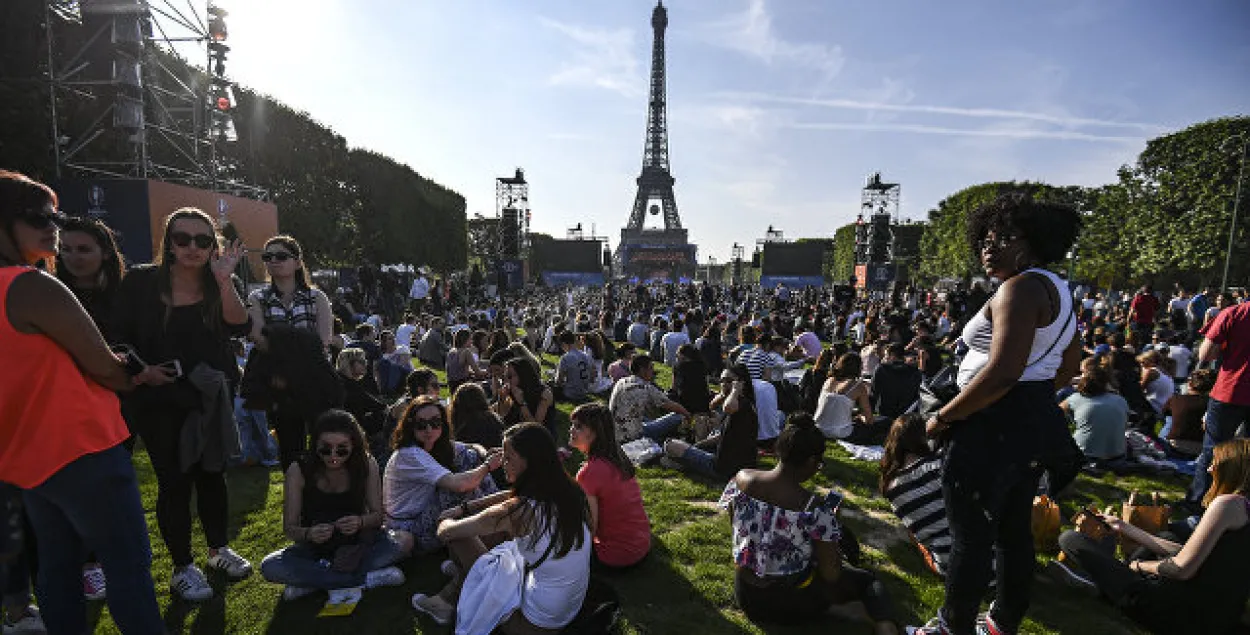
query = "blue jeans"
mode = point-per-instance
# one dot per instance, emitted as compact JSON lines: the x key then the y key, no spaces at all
{"x":93,"y":503}
{"x":659,"y":429}
{"x":1223,"y":419}
{"x":257,"y":443}
{"x":299,"y":566}
{"x":699,"y":460}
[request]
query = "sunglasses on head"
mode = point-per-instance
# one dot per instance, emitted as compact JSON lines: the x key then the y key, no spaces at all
{"x":429,"y":423}
{"x":42,"y":219}
{"x":279,"y":256}
{"x":202,"y":241}
{"x":340,"y":452}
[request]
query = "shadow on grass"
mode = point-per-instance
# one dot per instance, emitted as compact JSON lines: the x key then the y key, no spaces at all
{"x":381,"y":611}
{"x":657,"y":598}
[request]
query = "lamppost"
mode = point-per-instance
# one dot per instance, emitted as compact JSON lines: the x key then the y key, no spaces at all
{"x":1232,"y":225}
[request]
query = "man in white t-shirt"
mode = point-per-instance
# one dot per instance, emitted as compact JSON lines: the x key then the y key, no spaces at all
{"x":1182,"y":356}
{"x":405,"y":331}
{"x":420,"y":291}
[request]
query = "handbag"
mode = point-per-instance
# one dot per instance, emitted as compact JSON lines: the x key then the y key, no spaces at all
{"x":1148,"y":514}
{"x":937,"y":392}
{"x":1046,"y":520}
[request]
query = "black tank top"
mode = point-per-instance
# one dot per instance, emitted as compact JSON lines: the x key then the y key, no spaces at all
{"x":326,"y":507}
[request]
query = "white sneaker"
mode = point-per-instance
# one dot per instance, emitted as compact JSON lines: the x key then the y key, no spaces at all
{"x":189,"y":583}
{"x":350,"y":595}
{"x":449,"y":568}
{"x":436,"y":607}
{"x":296,"y":592}
{"x":232,"y":564}
{"x":94,"y":583}
{"x":389,"y":576}
{"x":27,"y":623}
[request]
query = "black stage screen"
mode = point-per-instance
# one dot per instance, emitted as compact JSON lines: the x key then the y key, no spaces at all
{"x":579,"y":256}
{"x":793,"y":259}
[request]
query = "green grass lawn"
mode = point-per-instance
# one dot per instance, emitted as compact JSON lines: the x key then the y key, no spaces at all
{"x":685,"y":586}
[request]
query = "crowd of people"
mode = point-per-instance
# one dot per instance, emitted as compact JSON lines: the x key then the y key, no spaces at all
{"x":977,"y":401}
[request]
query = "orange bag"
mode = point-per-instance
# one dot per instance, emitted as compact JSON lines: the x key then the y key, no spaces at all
{"x":1046,"y":521}
{"x":1149,"y":515}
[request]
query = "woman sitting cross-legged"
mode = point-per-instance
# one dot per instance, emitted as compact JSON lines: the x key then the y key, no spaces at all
{"x":546,"y":513}
{"x":332,"y":509}
{"x":785,"y":540}
{"x":430,"y":472}
{"x":622,"y":531}
{"x":1200,"y":586}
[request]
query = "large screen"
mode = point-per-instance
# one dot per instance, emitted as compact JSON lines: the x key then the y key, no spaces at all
{"x":792,"y":259}
{"x":577,"y":256}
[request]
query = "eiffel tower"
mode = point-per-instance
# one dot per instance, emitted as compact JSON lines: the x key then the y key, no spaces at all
{"x":656,"y":253}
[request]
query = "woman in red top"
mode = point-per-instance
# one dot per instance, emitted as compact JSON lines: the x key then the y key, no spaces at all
{"x":61,"y":430}
{"x":622,"y":531}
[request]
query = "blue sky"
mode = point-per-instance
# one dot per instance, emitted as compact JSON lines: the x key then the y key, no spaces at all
{"x":778,"y":109}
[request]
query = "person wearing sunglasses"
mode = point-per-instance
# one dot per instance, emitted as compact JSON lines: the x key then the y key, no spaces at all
{"x":547,"y":514}
{"x":332,"y":511}
{"x":184,"y":308}
{"x":430,"y":472}
{"x":290,"y":299}
{"x":62,"y":433}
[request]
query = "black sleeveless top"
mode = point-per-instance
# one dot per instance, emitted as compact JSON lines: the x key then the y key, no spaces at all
{"x":326,"y":507}
{"x":1210,"y":602}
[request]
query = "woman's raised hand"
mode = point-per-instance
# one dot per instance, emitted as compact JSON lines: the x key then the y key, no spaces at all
{"x":225,"y":262}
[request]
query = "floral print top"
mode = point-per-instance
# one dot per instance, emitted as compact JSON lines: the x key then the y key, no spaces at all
{"x":772,"y":541}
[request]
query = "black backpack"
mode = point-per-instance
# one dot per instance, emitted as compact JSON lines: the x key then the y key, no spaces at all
{"x":600,"y":613}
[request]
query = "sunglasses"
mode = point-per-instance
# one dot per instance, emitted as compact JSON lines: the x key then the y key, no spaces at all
{"x":430,"y":423}
{"x":279,"y":256}
{"x":339,"y":452}
{"x":42,"y":219}
{"x":202,"y":241}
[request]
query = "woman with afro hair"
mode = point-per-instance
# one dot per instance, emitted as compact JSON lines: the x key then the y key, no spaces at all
{"x":1004,"y":427}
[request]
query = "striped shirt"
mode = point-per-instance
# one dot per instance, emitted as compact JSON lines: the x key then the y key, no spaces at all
{"x":916,"y":496}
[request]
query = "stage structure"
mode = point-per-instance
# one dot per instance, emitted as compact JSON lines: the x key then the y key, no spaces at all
{"x":145,"y":119}
{"x":656,"y":254}
{"x":874,"y":234}
{"x":512,"y":208}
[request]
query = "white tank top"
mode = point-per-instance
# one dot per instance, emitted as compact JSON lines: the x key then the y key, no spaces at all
{"x":554,"y":590}
{"x":834,"y":413}
{"x":1049,"y":342}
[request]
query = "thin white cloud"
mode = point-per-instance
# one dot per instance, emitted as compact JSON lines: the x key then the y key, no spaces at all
{"x":1012,"y":133}
{"x":751,"y":33}
{"x":603,"y":58}
{"x":982,"y":113}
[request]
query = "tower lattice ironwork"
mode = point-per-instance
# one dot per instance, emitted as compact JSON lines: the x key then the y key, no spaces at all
{"x":656,"y":181}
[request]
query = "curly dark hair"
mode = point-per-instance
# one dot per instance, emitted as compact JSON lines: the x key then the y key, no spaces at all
{"x":1049,"y":227}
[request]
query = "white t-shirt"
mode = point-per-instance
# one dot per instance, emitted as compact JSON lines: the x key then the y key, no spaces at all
{"x":409,"y":484}
{"x":554,"y":590}
{"x":767,"y":413}
{"x":403,"y":334}
{"x":420,"y":289}
{"x":809,"y":343}
{"x":1182,"y":356}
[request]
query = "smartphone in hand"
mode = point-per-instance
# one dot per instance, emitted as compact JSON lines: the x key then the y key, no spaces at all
{"x":174,"y":366}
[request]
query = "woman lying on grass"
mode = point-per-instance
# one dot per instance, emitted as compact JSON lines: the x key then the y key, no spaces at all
{"x":546,"y":513}
{"x":1200,"y":586}
{"x":786,"y":556}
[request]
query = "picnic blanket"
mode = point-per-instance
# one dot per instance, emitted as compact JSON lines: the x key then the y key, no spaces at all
{"x":863,"y":452}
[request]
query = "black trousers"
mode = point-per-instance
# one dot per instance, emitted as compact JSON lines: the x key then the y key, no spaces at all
{"x":989,"y":479}
{"x":161,"y":431}
{"x":789,"y":604}
{"x":292,"y":432}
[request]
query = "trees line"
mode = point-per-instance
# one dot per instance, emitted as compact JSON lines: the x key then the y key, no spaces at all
{"x":1166,"y":218}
